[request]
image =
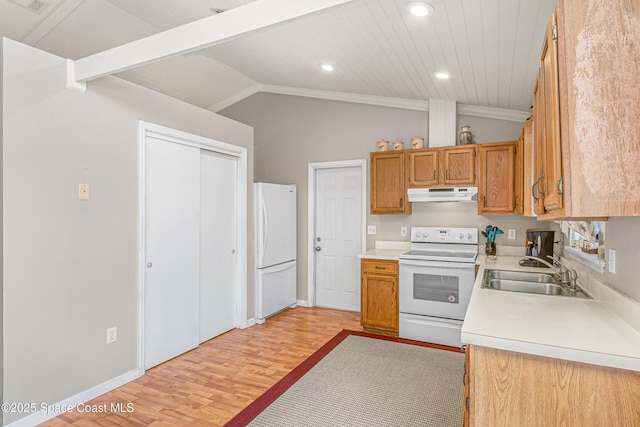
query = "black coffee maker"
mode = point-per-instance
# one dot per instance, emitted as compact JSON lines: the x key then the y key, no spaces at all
{"x":539,"y":244}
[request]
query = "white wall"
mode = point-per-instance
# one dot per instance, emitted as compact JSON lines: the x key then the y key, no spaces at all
{"x":71,"y":266}
{"x":291,"y":132}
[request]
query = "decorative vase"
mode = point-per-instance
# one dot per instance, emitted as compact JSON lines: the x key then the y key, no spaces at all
{"x":465,"y":135}
{"x":490,"y":250}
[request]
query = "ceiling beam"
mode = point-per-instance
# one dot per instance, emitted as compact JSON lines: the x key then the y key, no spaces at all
{"x":194,"y":36}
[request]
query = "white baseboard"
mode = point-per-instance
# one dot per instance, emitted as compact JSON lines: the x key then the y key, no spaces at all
{"x":248,"y":323}
{"x":303,"y":303}
{"x":78,"y":399}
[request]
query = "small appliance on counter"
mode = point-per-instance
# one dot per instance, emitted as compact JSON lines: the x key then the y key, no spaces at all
{"x":539,"y":244}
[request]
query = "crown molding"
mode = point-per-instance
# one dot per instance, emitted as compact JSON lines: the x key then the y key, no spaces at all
{"x":493,"y":113}
{"x":409,"y":104}
{"x":239,"y":96}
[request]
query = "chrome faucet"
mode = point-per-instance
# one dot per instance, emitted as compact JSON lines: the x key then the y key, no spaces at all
{"x":566,"y":275}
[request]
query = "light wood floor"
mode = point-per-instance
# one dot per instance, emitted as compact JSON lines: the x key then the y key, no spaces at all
{"x":209,"y":385}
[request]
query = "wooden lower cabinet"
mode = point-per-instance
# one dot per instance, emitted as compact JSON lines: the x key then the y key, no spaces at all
{"x":379,"y":295}
{"x":515,"y":389}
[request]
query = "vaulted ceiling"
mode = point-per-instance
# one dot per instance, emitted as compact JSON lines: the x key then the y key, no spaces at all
{"x":381,"y":53}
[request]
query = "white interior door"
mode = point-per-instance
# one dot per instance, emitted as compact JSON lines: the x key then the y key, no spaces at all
{"x":218,"y":240}
{"x":172,"y":246}
{"x":338,"y":237}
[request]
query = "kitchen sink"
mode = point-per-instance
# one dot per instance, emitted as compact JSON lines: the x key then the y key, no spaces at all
{"x":526,"y":276}
{"x":528,"y":282}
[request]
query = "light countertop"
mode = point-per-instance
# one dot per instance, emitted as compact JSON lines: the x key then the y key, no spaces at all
{"x":589,"y":331}
{"x":388,"y":250}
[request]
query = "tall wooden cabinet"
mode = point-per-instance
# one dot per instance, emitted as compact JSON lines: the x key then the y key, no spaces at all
{"x":586,"y":111}
{"x":388,"y":183}
{"x":379,"y":295}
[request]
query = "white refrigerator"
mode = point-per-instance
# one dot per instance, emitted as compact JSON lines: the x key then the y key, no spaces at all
{"x":275,"y":242}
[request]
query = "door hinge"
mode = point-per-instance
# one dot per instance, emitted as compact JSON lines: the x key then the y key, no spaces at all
{"x":554,"y":31}
{"x":560,"y":186}
{"x":466,"y":403}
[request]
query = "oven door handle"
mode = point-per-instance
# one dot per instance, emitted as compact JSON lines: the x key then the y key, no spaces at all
{"x":437,"y":264}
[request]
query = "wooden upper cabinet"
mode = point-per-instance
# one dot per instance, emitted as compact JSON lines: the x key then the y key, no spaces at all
{"x":440,"y":167}
{"x":388,"y":188}
{"x":423,"y":168}
{"x":524,"y":164}
{"x":585,"y":109}
{"x":496,"y":189}
{"x":459,"y":165}
{"x":551,"y":181}
{"x":538,"y":146}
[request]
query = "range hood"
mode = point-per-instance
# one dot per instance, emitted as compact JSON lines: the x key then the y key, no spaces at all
{"x":443,"y":194}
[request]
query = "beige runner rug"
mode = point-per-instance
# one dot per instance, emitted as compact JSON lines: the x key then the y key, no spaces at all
{"x":370,"y":381}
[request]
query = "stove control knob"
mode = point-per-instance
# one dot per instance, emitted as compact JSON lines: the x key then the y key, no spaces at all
{"x":418,"y":234}
{"x":460,"y":236}
{"x":469,"y":236}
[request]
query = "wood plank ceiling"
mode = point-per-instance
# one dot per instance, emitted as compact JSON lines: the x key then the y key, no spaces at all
{"x":378,"y":49}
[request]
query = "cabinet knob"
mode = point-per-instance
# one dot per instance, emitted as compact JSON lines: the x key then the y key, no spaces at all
{"x":149,"y":265}
{"x":318,"y":248}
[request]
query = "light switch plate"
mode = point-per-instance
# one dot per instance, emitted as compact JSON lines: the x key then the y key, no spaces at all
{"x":612,"y":261}
{"x":371,"y":229}
{"x":403,"y":231}
{"x":512,"y":234}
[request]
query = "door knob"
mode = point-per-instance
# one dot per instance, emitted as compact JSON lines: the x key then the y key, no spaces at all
{"x":149,"y":265}
{"x":318,"y":248}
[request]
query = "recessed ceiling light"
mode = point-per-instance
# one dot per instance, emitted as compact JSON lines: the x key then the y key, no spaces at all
{"x":419,"y":8}
{"x":327,"y":67}
{"x":442,"y":76}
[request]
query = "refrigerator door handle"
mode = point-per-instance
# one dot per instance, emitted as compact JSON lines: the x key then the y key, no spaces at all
{"x":265,"y":228}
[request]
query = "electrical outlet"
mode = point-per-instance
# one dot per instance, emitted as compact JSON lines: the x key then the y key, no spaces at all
{"x":371,"y":229}
{"x":512,"y":234}
{"x":112,"y":334}
{"x":403,"y":231}
{"x":84,"y":192}
{"x":612,"y":261}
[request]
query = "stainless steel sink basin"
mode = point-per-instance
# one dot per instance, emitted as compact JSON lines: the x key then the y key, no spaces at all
{"x":528,"y":276}
{"x":528,"y":282}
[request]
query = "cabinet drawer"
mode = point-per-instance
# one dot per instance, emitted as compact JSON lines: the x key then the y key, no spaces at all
{"x":379,"y":266}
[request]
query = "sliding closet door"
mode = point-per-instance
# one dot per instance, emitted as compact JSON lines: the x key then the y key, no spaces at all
{"x":172,"y":234}
{"x":218,"y":259}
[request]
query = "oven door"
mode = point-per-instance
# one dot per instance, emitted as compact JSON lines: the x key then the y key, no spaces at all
{"x":436,"y":288}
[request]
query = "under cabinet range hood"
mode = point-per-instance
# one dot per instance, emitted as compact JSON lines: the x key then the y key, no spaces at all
{"x":443,"y":194}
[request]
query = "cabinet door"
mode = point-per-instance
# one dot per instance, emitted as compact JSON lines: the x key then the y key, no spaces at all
{"x":379,"y":308}
{"x":552,"y":180}
{"x":496,"y":192}
{"x":527,"y":165}
{"x":519,"y":177}
{"x":388,"y":183}
{"x":538,"y":145}
{"x":459,"y":165}
{"x":423,"y":168}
